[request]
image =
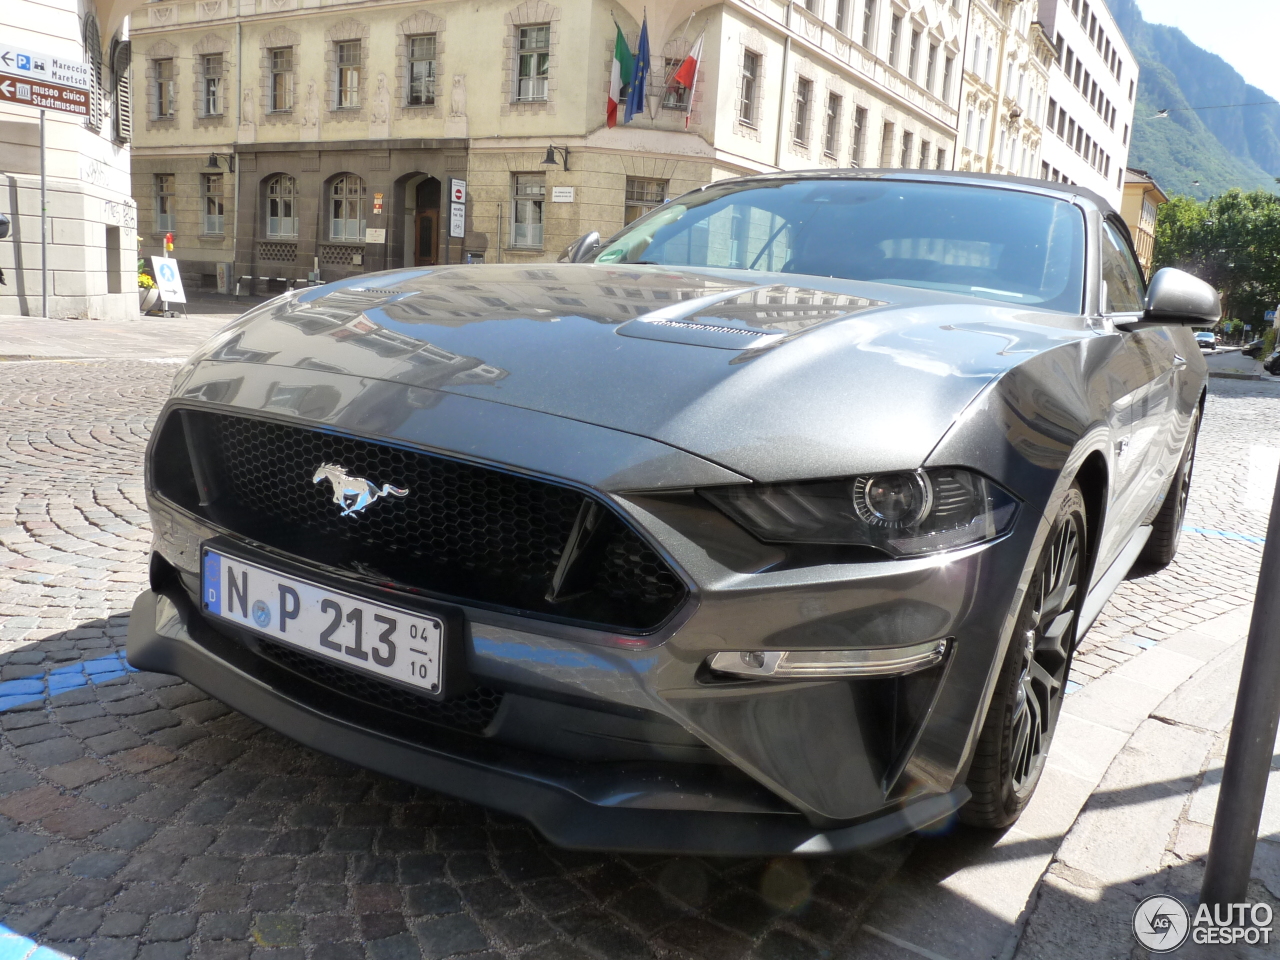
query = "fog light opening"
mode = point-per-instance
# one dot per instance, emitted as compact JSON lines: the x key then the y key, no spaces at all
{"x":829,"y":664}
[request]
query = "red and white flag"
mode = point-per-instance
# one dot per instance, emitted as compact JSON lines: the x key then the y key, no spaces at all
{"x":687,"y":73}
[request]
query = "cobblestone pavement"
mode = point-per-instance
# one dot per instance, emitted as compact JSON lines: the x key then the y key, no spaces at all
{"x":138,"y":818}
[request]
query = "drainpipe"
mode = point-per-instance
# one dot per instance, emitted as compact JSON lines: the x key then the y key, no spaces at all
{"x":235,"y":224}
{"x":782,"y":92}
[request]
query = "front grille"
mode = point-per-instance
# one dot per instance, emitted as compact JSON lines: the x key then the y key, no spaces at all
{"x":463,"y":532}
{"x":471,"y":712}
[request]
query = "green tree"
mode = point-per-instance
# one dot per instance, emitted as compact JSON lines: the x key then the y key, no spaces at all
{"x":1231,"y":242}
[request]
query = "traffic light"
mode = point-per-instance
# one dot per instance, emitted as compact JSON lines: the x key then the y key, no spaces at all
{"x":168,"y":243}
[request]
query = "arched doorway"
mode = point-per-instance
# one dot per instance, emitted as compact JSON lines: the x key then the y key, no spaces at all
{"x":426,"y":222}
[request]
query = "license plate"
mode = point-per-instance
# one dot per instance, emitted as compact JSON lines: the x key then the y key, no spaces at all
{"x":389,"y":642}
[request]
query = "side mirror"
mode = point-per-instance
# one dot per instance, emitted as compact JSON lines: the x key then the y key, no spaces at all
{"x":4,"y":226}
{"x":581,"y":249}
{"x":1176,"y":297}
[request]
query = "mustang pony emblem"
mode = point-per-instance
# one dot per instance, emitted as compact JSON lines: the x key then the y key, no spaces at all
{"x":353,"y":494}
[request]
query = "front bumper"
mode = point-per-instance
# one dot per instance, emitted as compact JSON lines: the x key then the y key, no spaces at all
{"x":643,"y":807}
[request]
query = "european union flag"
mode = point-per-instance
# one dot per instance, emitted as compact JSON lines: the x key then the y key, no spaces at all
{"x":639,"y":73}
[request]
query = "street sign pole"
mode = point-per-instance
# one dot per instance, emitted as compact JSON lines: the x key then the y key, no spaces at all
{"x":44,"y":231}
{"x":1253,"y":737}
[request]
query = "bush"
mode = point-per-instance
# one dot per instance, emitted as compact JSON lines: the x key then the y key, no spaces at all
{"x":1268,"y":343}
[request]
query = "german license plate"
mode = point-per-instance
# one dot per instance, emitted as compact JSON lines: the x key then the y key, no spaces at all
{"x":388,"y":642}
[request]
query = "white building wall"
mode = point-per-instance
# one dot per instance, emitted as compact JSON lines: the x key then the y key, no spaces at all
{"x":91,"y":217}
{"x":1089,"y":124}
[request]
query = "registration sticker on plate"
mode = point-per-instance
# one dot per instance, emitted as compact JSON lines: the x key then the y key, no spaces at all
{"x":388,"y":642}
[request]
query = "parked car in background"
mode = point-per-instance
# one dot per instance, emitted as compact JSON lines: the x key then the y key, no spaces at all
{"x":1206,"y":340}
{"x":768,"y":526}
{"x":1253,"y":348}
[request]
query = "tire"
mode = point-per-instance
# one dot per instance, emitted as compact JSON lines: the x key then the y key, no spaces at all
{"x":1166,"y":529}
{"x":1023,"y":715}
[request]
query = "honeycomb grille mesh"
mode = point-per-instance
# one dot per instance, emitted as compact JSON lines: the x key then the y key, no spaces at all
{"x":471,"y":712}
{"x":461,"y":531}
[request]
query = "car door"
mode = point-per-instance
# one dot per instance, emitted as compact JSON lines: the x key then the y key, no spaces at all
{"x":1147,"y":360}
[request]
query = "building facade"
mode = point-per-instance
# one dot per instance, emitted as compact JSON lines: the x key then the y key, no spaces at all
{"x":1140,"y":208}
{"x":1092,"y":89}
{"x":91,"y":220}
{"x":287,"y":138}
{"x":1006,"y":80}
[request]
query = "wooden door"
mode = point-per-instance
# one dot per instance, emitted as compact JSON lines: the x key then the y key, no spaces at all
{"x":424,"y":238}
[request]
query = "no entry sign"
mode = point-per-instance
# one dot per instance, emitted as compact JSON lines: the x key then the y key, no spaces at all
{"x":51,"y":96}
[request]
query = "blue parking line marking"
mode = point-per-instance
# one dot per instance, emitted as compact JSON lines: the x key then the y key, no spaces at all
{"x":1225,"y":534}
{"x":17,"y":693}
{"x":14,"y":946}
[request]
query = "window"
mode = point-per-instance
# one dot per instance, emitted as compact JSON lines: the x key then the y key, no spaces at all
{"x":166,"y":220}
{"x":348,"y":75}
{"x":859,"y":136}
{"x":804,"y":96}
{"x":282,"y":220}
{"x":886,"y":145}
{"x":942,"y":159}
{"x":346,"y":209}
{"x":812,"y":6}
{"x":895,"y":34}
{"x":422,"y":70}
{"x":913,"y":55}
{"x":977,"y":53}
{"x":643,"y":196}
{"x":931,"y":67}
{"x":211,"y":191}
{"x":832,"y":132}
{"x":842,"y":15}
{"x":747,"y":99}
{"x":1123,"y":292}
{"x":121,"y":56}
{"x":982,"y":136}
{"x":990,"y":61}
{"x":948,"y":68}
{"x":533,"y":67}
{"x":968,"y":130}
{"x":676,"y":96}
{"x":213,"y":85}
{"x":166,"y":89}
{"x":925,"y":153}
{"x":868,"y":22}
{"x":529,"y":191}
{"x":908,"y":143}
{"x":282,"y":79}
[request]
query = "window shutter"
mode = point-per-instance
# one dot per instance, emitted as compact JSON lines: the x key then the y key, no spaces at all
{"x":121,"y":70}
{"x":93,"y":52}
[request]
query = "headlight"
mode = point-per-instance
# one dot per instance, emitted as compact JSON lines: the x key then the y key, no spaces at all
{"x":905,"y":513}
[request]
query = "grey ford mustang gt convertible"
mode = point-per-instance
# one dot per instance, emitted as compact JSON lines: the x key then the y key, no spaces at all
{"x":768,"y":525}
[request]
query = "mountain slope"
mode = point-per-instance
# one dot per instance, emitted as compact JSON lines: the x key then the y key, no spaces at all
{"x":1236,"y":147}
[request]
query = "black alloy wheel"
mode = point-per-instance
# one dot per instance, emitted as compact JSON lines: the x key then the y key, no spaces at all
{"x":1166,"y":529}
{"x":1023,"y":715}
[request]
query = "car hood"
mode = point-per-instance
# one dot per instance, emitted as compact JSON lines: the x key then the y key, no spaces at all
{"x":774,"y":376}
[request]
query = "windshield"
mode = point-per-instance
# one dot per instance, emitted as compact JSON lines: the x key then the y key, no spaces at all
{"x":980,"y":241}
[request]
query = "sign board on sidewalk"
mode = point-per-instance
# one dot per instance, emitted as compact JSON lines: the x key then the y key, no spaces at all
{"x":51,"y":96}
{"x":168,"y":280}
{"x":29,"y":65}
{"x":457,"y":219}
{"x":562,"y":194}
{"x":457,"y":191}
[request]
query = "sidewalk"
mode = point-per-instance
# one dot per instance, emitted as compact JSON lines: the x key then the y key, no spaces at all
{"x":151,"y":338}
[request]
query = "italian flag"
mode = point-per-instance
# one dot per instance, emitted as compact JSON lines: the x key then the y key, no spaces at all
{"x":622,"y":67}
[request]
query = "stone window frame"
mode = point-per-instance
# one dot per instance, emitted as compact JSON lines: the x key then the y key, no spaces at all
{"x":419,"y":24}
{"x":275,"y":40}
{"x":841,"y":89}
{"x":161,"y":50}
{"x":208,"y":45}
{"x":528,"y":14}
{"x":803,"y":71}
{"x":346,"y":30}
{"x":750,"y":41}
